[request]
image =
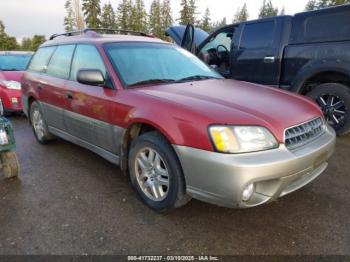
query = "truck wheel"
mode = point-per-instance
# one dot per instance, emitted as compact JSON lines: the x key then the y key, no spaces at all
{"x":9,"y":164}
{"x":155,"y":172}
{"x":334,"y":100}
{"x":39,"y":125}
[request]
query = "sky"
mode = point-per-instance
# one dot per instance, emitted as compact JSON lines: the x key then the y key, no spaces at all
{"x":24,"y":18}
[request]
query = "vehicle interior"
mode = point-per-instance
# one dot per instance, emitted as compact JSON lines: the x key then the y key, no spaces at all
{"x":216,"y":51}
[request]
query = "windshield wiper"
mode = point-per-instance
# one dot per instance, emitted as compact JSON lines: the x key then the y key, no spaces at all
{"x":153,"y":81}
{"x":197,"y":78}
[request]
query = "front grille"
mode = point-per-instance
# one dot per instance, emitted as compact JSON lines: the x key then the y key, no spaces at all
{"x":300,"y":135}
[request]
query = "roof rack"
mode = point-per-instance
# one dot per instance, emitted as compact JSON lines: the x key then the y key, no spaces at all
{"x":101,"y":30}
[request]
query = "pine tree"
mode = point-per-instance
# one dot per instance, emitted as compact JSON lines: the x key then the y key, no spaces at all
{"x":205,"y":24}
{"x":7,"y":42}
{"x":241,"y":15}
{"x":268,"y":9}
{"x":69,"y":22}
{"x":108,"y":19}
{"x":92,"y":12}
{"x":166,"y":14}
{"x":26,"y":44}
{"x":155,"y":21}
{"x":187,"y":12}
{"x":37,"y":40}
{"x":319,"y":4}
{"x":139,"y":17}
{"x":124,"y":12}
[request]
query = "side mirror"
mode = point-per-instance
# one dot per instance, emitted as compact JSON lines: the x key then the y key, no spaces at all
{"x":92,"y":77}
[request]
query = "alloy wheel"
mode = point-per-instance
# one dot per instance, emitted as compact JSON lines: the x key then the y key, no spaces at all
{"x":38,"y":124}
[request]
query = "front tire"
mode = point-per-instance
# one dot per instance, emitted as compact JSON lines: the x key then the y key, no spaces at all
{"x":155,"y":172}
{"x":334,"y":100}
{"x":40,"y":129}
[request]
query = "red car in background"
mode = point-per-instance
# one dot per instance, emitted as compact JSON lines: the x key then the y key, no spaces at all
{"x":12,"y":65}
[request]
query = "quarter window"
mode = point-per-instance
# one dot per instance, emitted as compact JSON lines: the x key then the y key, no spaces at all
{"x":258,"y":35}
{"x":86,"y":57}
{"x":60,"y":62}
{"x":41,"y":59}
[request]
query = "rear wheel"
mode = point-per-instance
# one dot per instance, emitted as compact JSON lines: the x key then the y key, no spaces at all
{"x":39,"y":125}
{"x":9,"y":163}
{"x":155,"y":172}
{"x":334,"y":100}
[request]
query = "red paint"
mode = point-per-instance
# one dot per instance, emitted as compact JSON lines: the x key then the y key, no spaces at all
{"x":6,"y":94}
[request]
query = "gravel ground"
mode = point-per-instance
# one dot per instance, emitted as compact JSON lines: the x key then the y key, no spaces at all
{"x":70,"y":201}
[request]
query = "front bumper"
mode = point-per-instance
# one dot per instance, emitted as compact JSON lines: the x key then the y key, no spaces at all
{"x":11,"y":100}
{"x":221,"y":178}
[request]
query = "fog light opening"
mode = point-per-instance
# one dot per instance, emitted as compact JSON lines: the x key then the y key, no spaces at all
{"x":248,"y":191}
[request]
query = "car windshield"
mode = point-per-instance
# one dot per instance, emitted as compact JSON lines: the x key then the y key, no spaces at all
{"x":142,"y":63}
{"x":14,"y":62}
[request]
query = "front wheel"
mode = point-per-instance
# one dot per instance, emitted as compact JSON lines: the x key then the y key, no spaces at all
{"x":334,"y":100}
{"x":9,"y":163}
{"x":155,"y":172}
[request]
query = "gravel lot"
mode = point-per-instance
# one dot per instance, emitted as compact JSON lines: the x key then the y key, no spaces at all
{"x":70,"y":201}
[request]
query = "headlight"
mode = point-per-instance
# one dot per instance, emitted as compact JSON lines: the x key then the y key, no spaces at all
{"x":12,"y":84}
{"x":241,"y":139}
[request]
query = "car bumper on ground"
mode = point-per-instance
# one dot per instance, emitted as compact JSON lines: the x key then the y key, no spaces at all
{"x":221,"y":178}
{"x":11,"y":100}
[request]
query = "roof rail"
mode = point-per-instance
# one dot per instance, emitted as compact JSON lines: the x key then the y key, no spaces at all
{"x":101,"y":30}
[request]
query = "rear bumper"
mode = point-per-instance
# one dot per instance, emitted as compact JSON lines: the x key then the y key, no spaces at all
{"x":221,"y":178}
{"x":11,"y":100}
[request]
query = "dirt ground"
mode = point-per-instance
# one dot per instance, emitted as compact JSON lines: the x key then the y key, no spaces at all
{"x":70,"y":201}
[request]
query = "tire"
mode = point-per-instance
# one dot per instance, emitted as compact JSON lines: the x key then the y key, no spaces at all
{"x":148,"y":171}
{"x":9,"y":163}
{"x":40,"y":129}
{"x":334,"y":100}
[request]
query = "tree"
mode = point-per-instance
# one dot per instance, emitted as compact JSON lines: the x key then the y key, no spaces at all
{"x":241,"y":15}
{"x":108,"y":19}
{"x":187,"y":12}
{"x":26,"y":44}
{"x":267,"y":9}
{"x":283,"y":11}
{"x":319,"y":4}
{"x":69,"y":22}
{"x":7,"y":42}
{"x":124,"y":12}
{"x":166,"y":14}
{"x":78,"y":17}
{"x":139,"y":17}
{"x":205,"y":24}
{"x":92,"y":12}
{"x":37,"y":40}
{"x":155,"y":19}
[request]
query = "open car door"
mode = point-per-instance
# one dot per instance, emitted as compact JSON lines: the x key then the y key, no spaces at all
{"x":188,"y":37}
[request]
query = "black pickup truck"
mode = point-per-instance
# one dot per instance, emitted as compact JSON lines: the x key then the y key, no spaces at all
{"x":308,"y":53}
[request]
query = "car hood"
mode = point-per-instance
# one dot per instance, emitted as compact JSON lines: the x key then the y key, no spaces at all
{"x":11,"y":75}
{"x":238,"y":103}
{"x":176,"y":33}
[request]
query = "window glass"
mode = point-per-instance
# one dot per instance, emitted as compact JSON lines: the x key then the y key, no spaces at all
{"x":223,"y":38}
{"x":137,"y":62}
{"x":41,"y":58}
{"x":86,"y":57}
{"x":328,"y":27}
{"x":258,"y":35}
{"x":14,"y":62}
{"x":60,"y":62}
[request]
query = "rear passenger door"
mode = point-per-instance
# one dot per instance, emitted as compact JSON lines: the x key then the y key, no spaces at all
{"x":256,"y":56}
{"x":90,"y":107}
{"x":52,"y":85}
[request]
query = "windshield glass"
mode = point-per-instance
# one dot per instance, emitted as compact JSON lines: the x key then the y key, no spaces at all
{"x":142,"y":62}
{"x":14,"y":62}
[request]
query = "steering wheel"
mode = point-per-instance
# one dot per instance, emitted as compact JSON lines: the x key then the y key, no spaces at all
{"x":219,"y":53}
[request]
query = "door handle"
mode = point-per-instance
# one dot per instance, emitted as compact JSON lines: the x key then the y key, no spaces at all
{"x":69,"y":95}
{"x":269,"y":59}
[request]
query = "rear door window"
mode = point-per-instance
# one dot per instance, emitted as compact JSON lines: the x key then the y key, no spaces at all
{"x":258,"y":35}
{"x":41,"y":59}
{"x":60,"y":62}
{"x":86,"y":57}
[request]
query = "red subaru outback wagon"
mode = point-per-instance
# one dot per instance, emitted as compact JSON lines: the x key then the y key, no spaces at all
{"x":176,"y":126}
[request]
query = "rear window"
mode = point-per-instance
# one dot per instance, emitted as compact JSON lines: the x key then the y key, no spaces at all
{"x":327,"y":27}
{"x":60,"y":62}
{"x":14,"y":62}
{"x":257,"y":35}
{"x":41,"y":59}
